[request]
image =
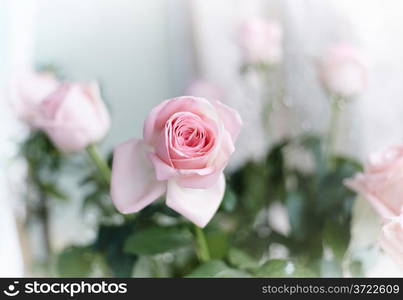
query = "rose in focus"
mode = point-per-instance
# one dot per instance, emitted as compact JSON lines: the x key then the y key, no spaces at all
{"x":73,"y":115}
{"x":187,"y":142}
{"x":343,"y":71}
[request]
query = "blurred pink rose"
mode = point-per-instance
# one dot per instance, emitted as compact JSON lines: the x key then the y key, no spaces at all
{"x":382,"y":181}
{"x":261,"y":41}
{"x":204,"y":89}
{"x":343,"y":71}
{"x":27,"y":91}
{"x":186,"y":144}
{"x":391,"y":239}
{"x":74,"y":116}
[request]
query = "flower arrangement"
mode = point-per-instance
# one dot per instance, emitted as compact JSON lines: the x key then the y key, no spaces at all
{"x":165,"y":204}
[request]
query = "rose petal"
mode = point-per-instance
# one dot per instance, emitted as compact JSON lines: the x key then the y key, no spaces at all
{"x":162,"y":170}
{"x":27,"y":90}
{"x":230,"y":117}
{"x":358,"y":185}
{"x":134,"y":184}
{"x":159,"y":115}
{"x":94,"y":93}
{"x":71,"y":129}
{"x":196,"y":181}
{"x":391,"y":239}
{"x":197,"y":205}
{"x":206,"y":177}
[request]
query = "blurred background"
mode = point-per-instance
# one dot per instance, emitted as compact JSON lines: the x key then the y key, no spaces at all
{"x":143,"y":52}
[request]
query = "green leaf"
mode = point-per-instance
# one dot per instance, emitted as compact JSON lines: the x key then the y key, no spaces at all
{"x":299,"y":220}
{"x":229,"y":202}
{"x":273,"y":268}
{"x":303,"y":271}
{"x":109,"y":243}
{"x":157,"y":240}
{"x":53,"y":191}
{"x":218,"y":243}
{"x":241,"y":259}
{"x":275,"y":168}
{"x":216,"y":268}
{"x":232,"y":273}
{"x":75,"y":262}
{"x":250,"y":184}
{"x":336,"y":236}
{"x":314,"y":145}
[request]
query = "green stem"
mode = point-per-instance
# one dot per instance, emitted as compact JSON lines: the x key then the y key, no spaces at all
{"x":332,"y":135}
{"x":202,"y":247}
{"x":268,"y":102}
{"x":99,"y":163}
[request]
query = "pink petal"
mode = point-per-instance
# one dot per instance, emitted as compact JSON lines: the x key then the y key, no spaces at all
{"x":391,"y":239}
{"x":358,"y":185}
{"x":134,"y":185}
{"x":159,"y":115}
{"x":162,"y":169}
{"x":72,"y":129}
{"x":27,"y":90}
{"x":196,"y":181}
{"x":197,"y":205}
{"x":230,"y":117}
{"x":207,"y":177}
{"x":94,"y":93}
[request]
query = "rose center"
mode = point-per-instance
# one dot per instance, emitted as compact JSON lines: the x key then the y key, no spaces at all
{"x":189,"y":135}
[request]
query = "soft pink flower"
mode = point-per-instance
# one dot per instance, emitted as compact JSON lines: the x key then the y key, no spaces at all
{"x":27,"y":91}
{"x":381,"y":183}
{"x":391,"y":239}
{"x":74,"y":116}
{"x":204,"y":89}
{"x":343,"y":71}
{"x":261,"y":41}
{"x":186,"y":144}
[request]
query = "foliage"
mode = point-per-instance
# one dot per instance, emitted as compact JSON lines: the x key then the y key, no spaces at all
{"x":158,"y":242}
{"x":43,"y":162}
{"x":44,"y":167}
{"x":317,"y":203}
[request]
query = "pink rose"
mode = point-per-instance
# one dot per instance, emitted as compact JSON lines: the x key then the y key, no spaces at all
{"x":27,"y":91}
{"x":382,"y":181}
{"x":343,"y":71}
{"x":186,"y":144}
{"x":74,"y":116}
{"x":261,"y":41}
{"x":204,"y":89}
{"x":391,"y":239}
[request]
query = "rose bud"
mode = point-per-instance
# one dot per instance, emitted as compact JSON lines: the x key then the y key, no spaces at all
{"x":343,"y":71}
{"x":74,"y":116}
{"x":187,"y":142}
{"x":381,"y":181}
{"x":261,"y":41}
